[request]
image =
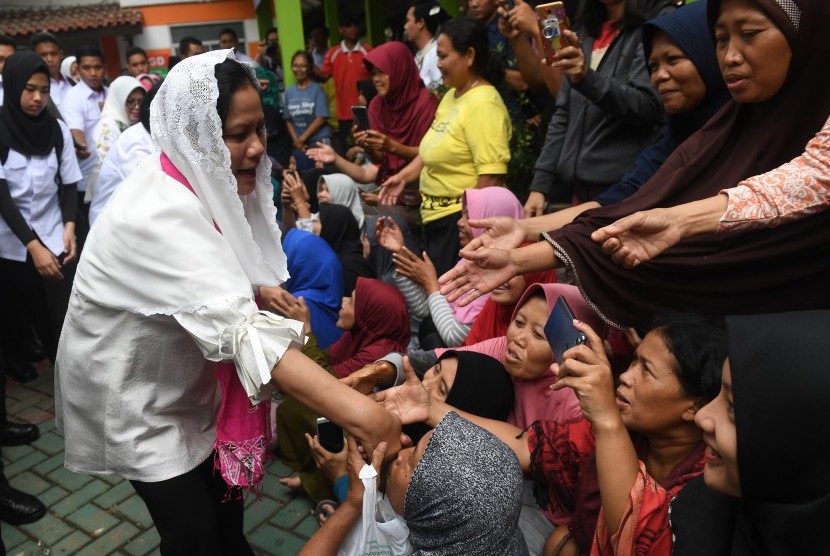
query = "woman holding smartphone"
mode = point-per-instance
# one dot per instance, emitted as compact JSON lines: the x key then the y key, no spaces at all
{"x":772,"y":115}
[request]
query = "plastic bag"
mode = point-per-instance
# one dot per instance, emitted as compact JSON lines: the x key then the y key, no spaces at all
{"x":380,"y":531}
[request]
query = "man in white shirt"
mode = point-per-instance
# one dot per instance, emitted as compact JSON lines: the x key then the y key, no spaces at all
{"x":229,"y":39}
{"x":7,"y":48}
{"x":137,"y":61}
{"x":81,"y":111}
{"x":46,"y":46}
{"x":422,"y":20}
{"x":190,"y":46}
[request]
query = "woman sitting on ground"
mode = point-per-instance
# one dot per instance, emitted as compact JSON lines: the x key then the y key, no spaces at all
{"x":417,"y":278}
{"x":315,"y":275}
{"x":630,"y":455}
{"x":472,"y":382}
{"x":375,"y":322}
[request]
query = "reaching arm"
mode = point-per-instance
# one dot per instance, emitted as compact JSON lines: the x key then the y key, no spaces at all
{"x":487,"y":269}
{"x":299,"y":377}
{"x":643,"y":235}
{"x":587,"y":371}
{"x":330,"y":536}
{"x":414,"y":404}
{"x":327,"y":155}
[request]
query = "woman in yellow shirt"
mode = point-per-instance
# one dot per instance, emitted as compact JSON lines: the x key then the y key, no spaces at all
{"x":466,"y":145}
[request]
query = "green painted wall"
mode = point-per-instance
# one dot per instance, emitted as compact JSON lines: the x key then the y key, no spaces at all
{"x":289,"y":15}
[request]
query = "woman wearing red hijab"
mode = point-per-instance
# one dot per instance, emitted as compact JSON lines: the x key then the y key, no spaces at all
{"x":400,"y":114}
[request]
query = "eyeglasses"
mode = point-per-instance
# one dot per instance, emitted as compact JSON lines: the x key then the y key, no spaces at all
{"x":133,"y":102}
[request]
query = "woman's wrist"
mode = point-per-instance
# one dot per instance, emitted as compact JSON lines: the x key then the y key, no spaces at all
{"x":699,"y":217}
{"x":437,"y":411}
{"x":608,"y":425}
{"x":33,"y":246}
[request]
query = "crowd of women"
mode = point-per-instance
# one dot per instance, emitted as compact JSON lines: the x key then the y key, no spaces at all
{"x":224,"y":301}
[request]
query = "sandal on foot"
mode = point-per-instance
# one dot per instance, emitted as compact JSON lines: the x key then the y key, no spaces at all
{"x":324,"y":510}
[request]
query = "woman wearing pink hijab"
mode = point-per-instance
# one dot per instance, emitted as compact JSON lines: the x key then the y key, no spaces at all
{"x":418,"y":280}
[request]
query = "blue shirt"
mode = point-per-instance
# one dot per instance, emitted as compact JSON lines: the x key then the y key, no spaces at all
{"x":302,"y":106}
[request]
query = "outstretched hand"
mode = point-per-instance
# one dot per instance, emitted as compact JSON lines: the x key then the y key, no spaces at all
{"x":639,"y":237}
{"x":321,"y":153}
{"x":420,"y":270}
{"x":587,"y":371}
{"x":483,"y":271}
{"x":500,"y":232}
{"x":409,"y":401}
{"x":388,"y":234}
{"x":391,"y":189}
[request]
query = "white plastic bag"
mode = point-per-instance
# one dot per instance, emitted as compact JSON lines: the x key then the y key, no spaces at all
{"x":380,"y":531}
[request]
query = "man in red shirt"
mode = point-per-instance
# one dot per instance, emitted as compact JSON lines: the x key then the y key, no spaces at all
{"x":344,"y":62}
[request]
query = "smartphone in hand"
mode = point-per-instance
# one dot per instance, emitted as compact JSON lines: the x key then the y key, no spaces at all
{"x":361,"y":117}
{"x":552,"y":22}
{"x":330,"y":435}
{"x":560,"y":330}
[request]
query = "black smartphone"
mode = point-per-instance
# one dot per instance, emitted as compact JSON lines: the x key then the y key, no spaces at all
{"x":508,"y":4}
{"x":329,"y":435}
{"x":361,"y":117}
{"x":560,"y":330}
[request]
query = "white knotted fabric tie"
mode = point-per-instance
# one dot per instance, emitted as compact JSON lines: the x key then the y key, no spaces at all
{"x":284,"y":331}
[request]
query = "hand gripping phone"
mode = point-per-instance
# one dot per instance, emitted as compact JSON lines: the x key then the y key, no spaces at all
{"x":361,"y":117}
{"x":329,"y":435}
{"x":552,"y":22}
{"x":560,"y":330}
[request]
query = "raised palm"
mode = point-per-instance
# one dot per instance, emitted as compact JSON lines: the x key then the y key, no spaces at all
{"x":388,"y":234}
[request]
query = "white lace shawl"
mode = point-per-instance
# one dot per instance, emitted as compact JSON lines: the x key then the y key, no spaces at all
{"x":155,"y":250}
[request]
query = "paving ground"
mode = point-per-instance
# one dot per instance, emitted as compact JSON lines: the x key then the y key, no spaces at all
{"x":96,"y":516}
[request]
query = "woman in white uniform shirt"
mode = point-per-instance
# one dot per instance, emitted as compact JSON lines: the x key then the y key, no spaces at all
{"x":37,"y":212}
{"x":164,"y":290}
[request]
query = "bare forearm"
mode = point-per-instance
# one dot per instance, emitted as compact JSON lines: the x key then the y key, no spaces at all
{"x":360,"y":174}
{"x":617,"y":470}
{"x":412,"y":171}
{"x":515,"y":80}
{"x":313,"y":128}
{"x":309,"y":384}
{"x":700,"y":217}
{"x":327,"y":540}
{"x":528,"y":62}
{"x":539,"y":224}
{"x":534,"y":258}
{"x":292,"y":133}
{"x":489,"y":180}
{"x":404,"y":151}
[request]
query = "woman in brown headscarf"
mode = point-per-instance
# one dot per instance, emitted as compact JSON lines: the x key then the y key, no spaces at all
{"x":771,"y":54}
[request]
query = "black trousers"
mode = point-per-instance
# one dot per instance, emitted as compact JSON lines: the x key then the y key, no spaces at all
{"x":24,"y":290}
{"x":441,"y":242}
{"x":194,"y":514}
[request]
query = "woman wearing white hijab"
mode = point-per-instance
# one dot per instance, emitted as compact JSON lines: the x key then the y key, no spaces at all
{"x":121,"y":110}
{"x":68,"y":71}
{"x":166,"y":289}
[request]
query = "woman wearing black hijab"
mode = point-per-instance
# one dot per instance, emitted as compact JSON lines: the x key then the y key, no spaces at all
{"x":339,"y":228}
{"x":37,"y":206}
{"x":767,"y":458}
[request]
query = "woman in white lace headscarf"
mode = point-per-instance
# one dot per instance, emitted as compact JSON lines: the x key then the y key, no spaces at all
{"x":165,"y":290}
